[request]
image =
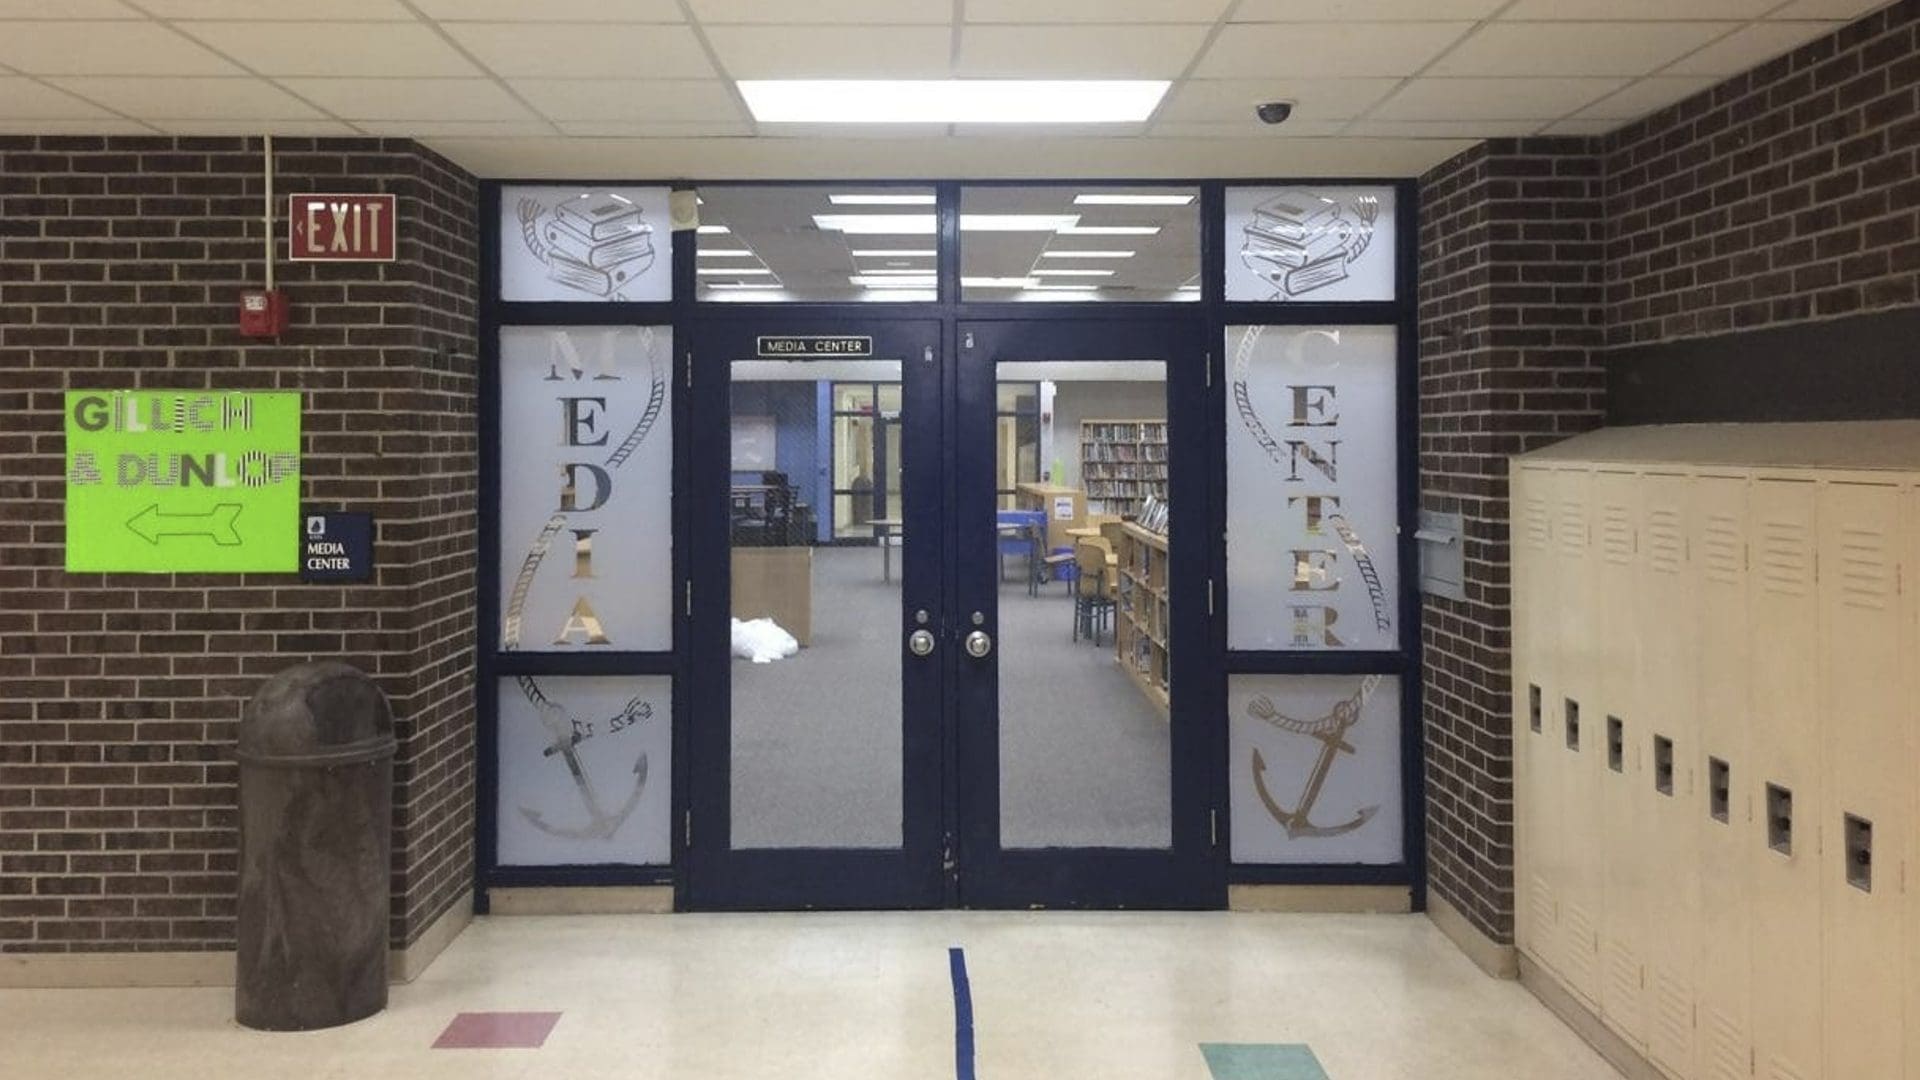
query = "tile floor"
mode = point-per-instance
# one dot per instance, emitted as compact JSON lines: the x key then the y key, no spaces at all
{"x":1055,"y":995}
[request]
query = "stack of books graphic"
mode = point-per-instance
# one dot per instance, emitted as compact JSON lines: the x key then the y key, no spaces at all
{"x":1302,"y":238}
{"x":597,"y":243}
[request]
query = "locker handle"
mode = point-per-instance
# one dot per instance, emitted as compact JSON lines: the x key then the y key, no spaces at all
{"x":1859,"y":860}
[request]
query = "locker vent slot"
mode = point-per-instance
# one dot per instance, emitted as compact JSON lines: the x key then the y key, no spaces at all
{"x":1866,"y":573}
{"x":1719,"y":789}
{"x":1573,"y":725}
{"x":1720,"y":549}
{"x":1663,"y":764}
{"x":1666,"y":547}
{"x":1780,"y":819}
{"x":1785,"y":558}
{"x":1616,"y":744}
{"x":1616,"y":534}
{"x":1726,"y":1053}
{"x":1539,"y":523}
{"x":1573,"y":526}
{"x":1533,"y":708}
{"x":1673,"y":1012}
{"x":1859,"y":853}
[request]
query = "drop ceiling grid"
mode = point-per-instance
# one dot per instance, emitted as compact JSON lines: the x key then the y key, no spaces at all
{"x":477,"y":68}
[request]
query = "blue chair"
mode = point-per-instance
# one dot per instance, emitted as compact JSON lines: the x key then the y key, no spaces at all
{"x":1021,"y":532}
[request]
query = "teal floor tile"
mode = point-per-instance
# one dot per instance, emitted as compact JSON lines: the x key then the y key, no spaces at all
{"x":1262,"y":1061}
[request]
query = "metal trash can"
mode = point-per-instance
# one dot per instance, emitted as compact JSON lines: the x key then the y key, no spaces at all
{"x":316,"y":817}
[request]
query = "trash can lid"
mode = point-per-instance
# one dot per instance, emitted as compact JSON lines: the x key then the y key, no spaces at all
{"x":317,"y":713}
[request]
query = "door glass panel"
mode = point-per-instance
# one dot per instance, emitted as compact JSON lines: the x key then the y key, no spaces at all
{"x":816,"y":744}
{"x":1312,"y":488}
{"x":585,"y":244}
{"x":585,"y":770}
{"x":1077,"y":242}
{"x":1084,"y":667}
{"x":1315,"y":768}
{"x":813,"y":242}
{"x":1310,"y":242}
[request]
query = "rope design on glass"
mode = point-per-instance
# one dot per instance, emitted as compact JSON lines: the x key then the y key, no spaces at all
{"x":1343,"y":715}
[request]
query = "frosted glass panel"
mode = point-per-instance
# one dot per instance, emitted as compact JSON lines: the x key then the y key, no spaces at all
{"x":1315,"y":768}
{"x":585,"y":243}
{"x":1312,"y":480}
{"x":585,"y":763}
{"x":586,"y":488}
{"x":1310,"y":242}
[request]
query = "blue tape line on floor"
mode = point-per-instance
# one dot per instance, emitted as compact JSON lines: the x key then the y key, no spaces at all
{"x":962,"y":1016}
{"x":1262,"y":1061}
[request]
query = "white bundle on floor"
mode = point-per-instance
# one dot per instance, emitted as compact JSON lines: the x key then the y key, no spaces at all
{"x":762,"y":641}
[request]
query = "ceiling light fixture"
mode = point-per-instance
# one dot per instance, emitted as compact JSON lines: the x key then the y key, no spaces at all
{"x":732,"y":271}
{"x":1111,"y":230}
{"x":880,"y":200}
{"x":869,"y":281}
{"x":1073,"y":273}
{"x":927,"y":224}
{"x":712,"y":230}
{"x":1086,"y":254}
{"x":1132,"y":200}
{"x":952,"y":101}
{"x":888,"y":272}
{"x":1017,"y":222}
{"x":725,"y":253}
{"x":998,"y":282}
{"x":1064,"y":288}
{"x":899,"y":253}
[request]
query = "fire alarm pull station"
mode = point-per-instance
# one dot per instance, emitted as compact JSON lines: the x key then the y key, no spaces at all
{"x":263,"y":313}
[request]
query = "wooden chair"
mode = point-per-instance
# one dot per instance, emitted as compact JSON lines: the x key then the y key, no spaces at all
{"x":1092,"y":591}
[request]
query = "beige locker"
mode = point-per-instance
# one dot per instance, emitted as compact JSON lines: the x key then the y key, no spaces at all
{"x":1785,"y":747}
{"x":1615,"y":729}
{"x":1535,"y":811}
{"x":1910,"y":601}
{"x":1870,"y":769}
{"x":1576,"y":854}
{"x":1669,"y":726}
{"x":1724,"y":1030}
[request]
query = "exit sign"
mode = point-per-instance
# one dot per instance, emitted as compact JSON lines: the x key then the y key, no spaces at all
{"x":341,"y":228}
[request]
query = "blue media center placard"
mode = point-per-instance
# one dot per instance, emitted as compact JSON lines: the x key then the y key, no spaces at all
{"x":336,"y":546}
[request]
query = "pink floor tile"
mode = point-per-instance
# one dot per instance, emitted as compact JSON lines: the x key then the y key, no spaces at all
{"x":497,"y":1031}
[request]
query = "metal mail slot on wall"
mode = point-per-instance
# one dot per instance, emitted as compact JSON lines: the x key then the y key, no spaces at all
{"x":1443,"y":560}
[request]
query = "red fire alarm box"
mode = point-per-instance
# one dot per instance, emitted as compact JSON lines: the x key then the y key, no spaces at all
{"x":263,"y":312}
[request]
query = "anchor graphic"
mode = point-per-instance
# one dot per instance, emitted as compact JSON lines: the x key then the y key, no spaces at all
{"x":600,"y":825}
{"x":1331,"y":732}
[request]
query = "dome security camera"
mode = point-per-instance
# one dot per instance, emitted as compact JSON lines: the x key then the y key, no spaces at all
{"x":1273,"y":112}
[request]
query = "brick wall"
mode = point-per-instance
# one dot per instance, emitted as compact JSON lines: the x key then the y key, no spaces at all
{"x":1784,"y":195}
{"x":120,"y":263}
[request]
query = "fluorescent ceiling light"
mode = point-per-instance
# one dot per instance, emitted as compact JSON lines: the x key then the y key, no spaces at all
{"x":1073,"y":273}
{"x":901,"y":253}
{"x":1064,"y":288}
{"x":1111,"y":230}
{"x":1086,"y":254}
{"x":952,"y":101}
{"x":712,"y":230}
{"x":725,"y":253}
{"x":732,"y":271}
{"x":926,"y":224}
{"x":888,"y":272}
{"x":869,"y":281}
{"x":772,"y":287}
{"x":998,"y":282}
{"x":880,"y":200}
{"x":1131,"y":200}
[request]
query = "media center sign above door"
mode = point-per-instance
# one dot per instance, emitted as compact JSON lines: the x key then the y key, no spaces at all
{"x":569,"y":243}
{"x":815,"y":345}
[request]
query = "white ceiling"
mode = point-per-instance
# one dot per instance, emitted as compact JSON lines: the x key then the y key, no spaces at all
{"x":559,"y":88}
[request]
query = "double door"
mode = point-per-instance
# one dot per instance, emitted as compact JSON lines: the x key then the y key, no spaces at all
{"x":968,"y":665}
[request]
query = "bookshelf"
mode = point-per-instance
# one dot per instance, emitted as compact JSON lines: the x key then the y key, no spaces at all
{"x":1140,"y":627}
{"x":1121,"y":463}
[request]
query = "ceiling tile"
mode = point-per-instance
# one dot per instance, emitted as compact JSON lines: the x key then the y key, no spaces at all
{"x":1326,"y":50}
{"x":25,"y":99}
{"x":456,"y":129}
{"x":1749,"y":47}
{"x":312,"y":128}
{"x":552,"y":11}
{"x":686,"y":130}
{"x":192,"y":99}
{"x":1493,"y":99}
{"x":1628,"y":10}
{"x":1443,"y":129}
{"x":1362,"y":10}
{"x":1582,"y":128}
{"x":805,"y":52}
{"x":400,"y":50}
{"x":105,"y":48}
{"x":1249,"y":128}
{"x":632,"y":101}
{"x":410,"y":99}
{"x":1066,"y":52}
{"x":1560,"y":49}
{"x":1645,"y":96}
{"x":279,"y":10}
{"x":1827,"y":9}
{"x":1231,"y":101}
{"x":824,"y":12}
{"x":66,"y":9}
{"x":580,"y":51}
{"x":1095,"y":11}
{"x":107,"y":126}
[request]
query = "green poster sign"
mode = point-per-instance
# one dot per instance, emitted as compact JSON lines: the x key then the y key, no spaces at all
{"x":186,"y":481}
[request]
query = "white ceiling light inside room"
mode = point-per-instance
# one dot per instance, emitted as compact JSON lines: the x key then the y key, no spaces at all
{"x":1100,"y":199}
{"x":926,"y":224}
{"x":952,"y":101}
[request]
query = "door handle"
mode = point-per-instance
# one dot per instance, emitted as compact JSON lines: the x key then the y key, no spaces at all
{"x":979,"y":644}
{"x":920,"y":642}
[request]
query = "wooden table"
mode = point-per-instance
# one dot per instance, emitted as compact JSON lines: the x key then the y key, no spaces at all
{"x":884,"y":530}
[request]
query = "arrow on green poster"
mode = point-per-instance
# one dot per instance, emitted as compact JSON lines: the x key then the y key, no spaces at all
{"x":216,"y":524}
